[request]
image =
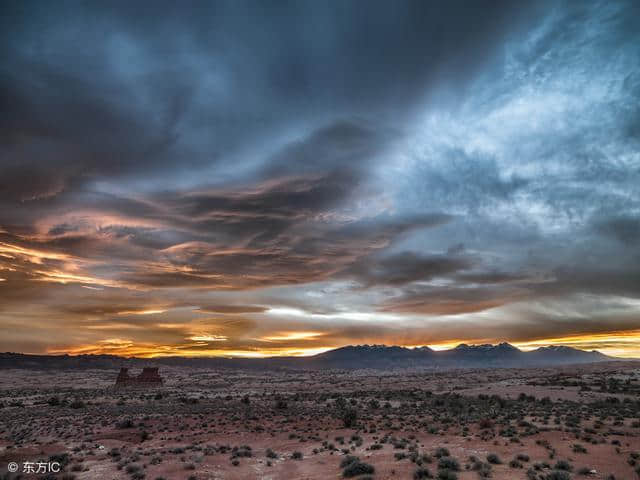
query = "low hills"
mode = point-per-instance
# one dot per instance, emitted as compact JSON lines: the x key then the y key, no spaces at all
{"x":349,"y":357}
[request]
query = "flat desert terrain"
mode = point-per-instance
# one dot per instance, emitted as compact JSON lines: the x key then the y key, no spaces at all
{"x":554,"y":423}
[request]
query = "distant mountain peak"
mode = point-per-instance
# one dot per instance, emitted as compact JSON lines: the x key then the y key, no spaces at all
{"x":424,"y":348}
{"x":504,"y":346}
{"x":502,"y":355}
{"x":566,"y":350}
{"x":556,"y":348}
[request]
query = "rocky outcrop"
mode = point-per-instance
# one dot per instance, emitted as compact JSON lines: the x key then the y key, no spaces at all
{"x":148,"y":378}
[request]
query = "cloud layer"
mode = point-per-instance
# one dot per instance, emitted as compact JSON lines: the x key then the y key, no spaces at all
{"x":250,"y":179}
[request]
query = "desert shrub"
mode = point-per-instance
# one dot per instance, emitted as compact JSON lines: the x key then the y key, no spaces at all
{"x":441,"y":452}
{"x":425,"y":458}
{"x":449,"y":463}
{"x":515,"y":464}
{"x":558,"y":475}
{"x":271,"y":454}
{"x":349,"y":417}
{"x":189,"y":400}
{"x":485,"y":423}
{"x":348,"y":460}
{"x":77,"y":403}
{"x":563,"y":465}
{"x":584,"y":471}
{"x":296,"y":455}
{"x":346,"y":412}
{"x":421,"y":473}
{"x":447,"y":475}
{"x":127,"y":423}
{"x":494,"y":459}
{"x":357,"y":468}
{"x":577,"y":448}
{"x":62,"y":458}
{"x":482,"y":469}
{"x":242,"y":451}
{"x":522,"y":457}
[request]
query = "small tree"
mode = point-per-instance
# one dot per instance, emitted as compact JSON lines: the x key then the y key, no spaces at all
{"x":349,"y":417}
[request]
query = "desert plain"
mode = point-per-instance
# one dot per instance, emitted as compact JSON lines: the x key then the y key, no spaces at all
{"x":551,"y":423}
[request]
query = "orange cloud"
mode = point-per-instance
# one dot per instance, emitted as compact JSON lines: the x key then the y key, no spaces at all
{"x":289,"y":336}
{"x":619,"y":344}
{"x":129,"y":348}
{"x":209,"y":338}
{"x":30,"y":254}
{"x":57,"y":276}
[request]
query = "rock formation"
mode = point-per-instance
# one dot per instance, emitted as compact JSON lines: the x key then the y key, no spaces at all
{"x":148,"y":378}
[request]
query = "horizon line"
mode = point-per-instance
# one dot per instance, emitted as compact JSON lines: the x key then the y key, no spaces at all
{"x":249,"y":355}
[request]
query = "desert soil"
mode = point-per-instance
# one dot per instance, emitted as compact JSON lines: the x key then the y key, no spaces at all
{"x":556,"y":423}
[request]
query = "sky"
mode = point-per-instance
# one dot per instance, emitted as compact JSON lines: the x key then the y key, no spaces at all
{"x":281,"y":178}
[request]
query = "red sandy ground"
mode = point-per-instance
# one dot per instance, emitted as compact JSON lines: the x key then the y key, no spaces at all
{"x":35,"y":430}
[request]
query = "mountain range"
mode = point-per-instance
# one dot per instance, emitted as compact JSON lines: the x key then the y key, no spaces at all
{"x":502,"y":355}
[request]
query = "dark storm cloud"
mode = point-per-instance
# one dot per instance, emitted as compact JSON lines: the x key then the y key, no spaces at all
{"x":94,"y":92}
{"x":268,"y":254}
{"x":490,"y":277}
{"x":289,"y":199}
{"x":345,"y":145}
{"x":624,"y":229}
{"x":402,"y":268}
{"x":280,"y":232}
{"x":603,"y":280}
{"x":451,"y":300}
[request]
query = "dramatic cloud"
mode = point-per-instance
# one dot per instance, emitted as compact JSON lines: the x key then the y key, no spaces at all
{"x":244,"y":178}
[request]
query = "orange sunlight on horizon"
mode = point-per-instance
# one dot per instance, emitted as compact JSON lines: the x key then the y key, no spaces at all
{"x":624,"y":344}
